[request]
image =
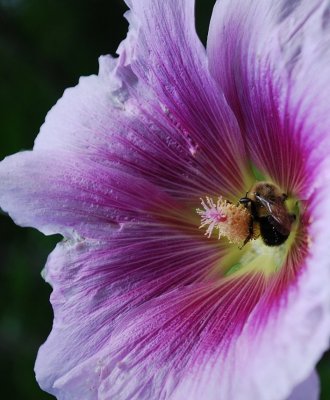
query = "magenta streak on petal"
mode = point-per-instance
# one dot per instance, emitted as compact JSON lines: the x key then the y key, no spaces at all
{"x":191,"y":327}
{"x":134,"y":135}
{"x":97,"y":283}
{"x":286,"y":279}
{"x":156,"y":158}
{"x":80,"y":195}
{"x":269,"y":139}
{"x":257,"y":61}
{"x":184,"y":87}
{"x":209,"y":316}
{"x":169,"y":333}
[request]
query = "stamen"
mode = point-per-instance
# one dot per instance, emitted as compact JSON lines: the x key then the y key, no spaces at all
{"x":232,"y":221}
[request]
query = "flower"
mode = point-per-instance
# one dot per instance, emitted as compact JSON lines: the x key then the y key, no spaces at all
{"x":145,"y":305}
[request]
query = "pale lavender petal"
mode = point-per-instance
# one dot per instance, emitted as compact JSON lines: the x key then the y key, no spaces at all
{"x":309,"y":389}
{"x":271,"y":59}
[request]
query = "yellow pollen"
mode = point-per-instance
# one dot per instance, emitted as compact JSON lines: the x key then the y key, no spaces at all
{"x":232,"y":221}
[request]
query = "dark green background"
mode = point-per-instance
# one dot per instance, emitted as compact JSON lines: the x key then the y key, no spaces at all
{"x":45,"y":45}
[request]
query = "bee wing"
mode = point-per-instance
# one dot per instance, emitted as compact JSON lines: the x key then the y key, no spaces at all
{"x":282,"y":220}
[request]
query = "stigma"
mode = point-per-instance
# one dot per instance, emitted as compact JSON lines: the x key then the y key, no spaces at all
{"x":232,"y":221}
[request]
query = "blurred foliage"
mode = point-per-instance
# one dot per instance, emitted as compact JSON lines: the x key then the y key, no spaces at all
{"x":45,"y":45}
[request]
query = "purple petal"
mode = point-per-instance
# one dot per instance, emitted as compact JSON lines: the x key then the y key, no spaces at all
{"x":63,"y":193}
{"x":271,"y":59}
{"x":173,"y":330}
{"x":176,"y":131}
{"x":170,"y":127}
{"x":105,"y":118}
{"x":95,"y":284}
{"x":140,"y":316}
{"x":167,"y":57}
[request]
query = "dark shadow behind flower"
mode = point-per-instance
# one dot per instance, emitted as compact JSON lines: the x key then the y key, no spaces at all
{"x":146,"y":306}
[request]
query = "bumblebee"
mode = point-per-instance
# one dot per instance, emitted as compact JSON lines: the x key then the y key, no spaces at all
{"x":270,"y":217}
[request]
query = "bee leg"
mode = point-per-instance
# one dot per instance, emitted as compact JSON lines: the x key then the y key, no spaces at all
{"x":247,"y":239}
{"x":245,"y":242}
{"x":284,"y":196}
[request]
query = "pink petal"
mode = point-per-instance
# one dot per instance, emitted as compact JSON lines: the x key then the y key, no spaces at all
{"x":270,"y":59}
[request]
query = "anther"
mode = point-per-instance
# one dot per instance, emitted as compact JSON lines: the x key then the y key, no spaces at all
{"x":231,"y":221}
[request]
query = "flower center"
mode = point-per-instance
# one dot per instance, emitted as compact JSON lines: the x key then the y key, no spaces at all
{"x":262,"y":212}
{"x":260,"y":228}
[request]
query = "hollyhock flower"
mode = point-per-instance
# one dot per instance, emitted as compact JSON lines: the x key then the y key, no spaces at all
{"x":146,"y":306}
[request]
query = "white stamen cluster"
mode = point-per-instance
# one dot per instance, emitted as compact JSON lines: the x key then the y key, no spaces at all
{"x":232,"y":221}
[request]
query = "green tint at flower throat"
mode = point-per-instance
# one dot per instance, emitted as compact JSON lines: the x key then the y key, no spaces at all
{"x":255,"y":256}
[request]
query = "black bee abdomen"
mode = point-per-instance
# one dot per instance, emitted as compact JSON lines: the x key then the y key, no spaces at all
{"x":269,"y":233}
